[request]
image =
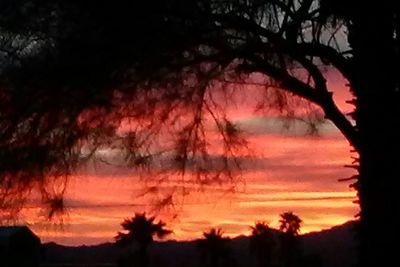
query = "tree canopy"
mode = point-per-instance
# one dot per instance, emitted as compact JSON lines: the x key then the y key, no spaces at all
{"x":290,"y":223}
{"x":262,"y":243}
{"x":214,"y":247}
{"x":80,"y":76}
{"x":141,"y":229}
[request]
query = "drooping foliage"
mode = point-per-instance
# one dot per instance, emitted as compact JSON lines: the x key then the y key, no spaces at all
{"x":79,"y":77}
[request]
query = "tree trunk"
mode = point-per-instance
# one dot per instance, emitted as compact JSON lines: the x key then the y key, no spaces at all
{"x":376,"y":87}
{"x":143,"y":255}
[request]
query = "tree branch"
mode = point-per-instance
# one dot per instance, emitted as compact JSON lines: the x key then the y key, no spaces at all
{"x":322,"y":98}
{"x":292,"y":48}
{"x":318,"y":95}
{"x":327,"y":53}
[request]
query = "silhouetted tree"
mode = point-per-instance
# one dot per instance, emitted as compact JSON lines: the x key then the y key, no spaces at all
{"x":73,"y":71}
{"x":213,"y":247}
{"x":289,"y":242}
{"x":262,"y":243}
{"x":290,"y":223}
{"x":141,"y":230}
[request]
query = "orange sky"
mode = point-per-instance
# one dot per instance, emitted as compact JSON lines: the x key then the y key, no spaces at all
{"x":292,"y":172}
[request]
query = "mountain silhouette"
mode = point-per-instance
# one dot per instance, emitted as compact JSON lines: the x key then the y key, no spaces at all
{"x":336,"y":247}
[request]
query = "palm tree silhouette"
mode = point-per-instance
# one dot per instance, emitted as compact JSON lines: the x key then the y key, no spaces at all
{"x":141,"y":230}
{"x":290,"y":225}
{"x":213,"y":247}
{"x":262,"y":243}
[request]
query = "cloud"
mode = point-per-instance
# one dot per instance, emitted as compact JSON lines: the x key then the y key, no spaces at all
{"x":262,"y":125}
{"x":286,"y":172}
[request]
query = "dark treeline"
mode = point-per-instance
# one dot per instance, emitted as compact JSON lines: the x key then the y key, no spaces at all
{"x":269,"y":247}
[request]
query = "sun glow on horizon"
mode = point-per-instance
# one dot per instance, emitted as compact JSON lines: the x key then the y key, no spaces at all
{"x":299,"y":175}
{"x":290,"y":171}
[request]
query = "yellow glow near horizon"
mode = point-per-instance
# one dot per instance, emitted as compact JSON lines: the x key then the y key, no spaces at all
{"x":291,"y":180}
{"x":291,"y":172}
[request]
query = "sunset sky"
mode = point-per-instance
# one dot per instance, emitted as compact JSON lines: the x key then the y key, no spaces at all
{"x":291,"y":172}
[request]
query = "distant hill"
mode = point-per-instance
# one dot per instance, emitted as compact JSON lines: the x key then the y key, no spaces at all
{"x":335,"y":247}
